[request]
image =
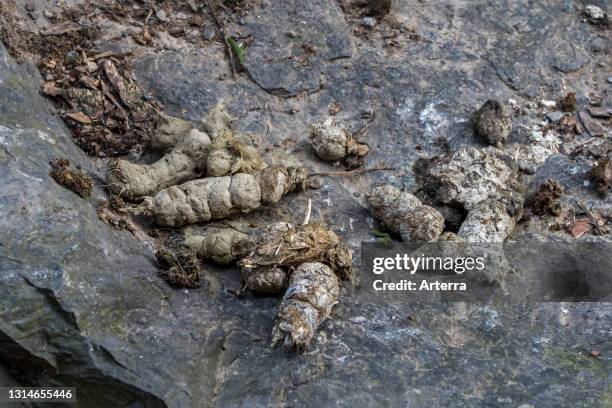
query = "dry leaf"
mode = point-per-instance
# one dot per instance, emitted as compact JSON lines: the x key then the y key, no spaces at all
{"x":79,"y":117}
{"x":578,"y":228}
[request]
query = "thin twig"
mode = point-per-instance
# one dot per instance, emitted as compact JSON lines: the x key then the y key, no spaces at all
{"x":365,"y":127}
{"x":222,"y":32}
{"x":308,"y":211}
{"x":149,"y":14}
{"x":353,"y":172}
{"x":601,"y":230}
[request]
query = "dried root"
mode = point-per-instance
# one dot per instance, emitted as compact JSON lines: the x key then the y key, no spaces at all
{"x":546,"y":199}
{"x":493,"y":123}
{"x":289,"y":246}
{"x":215,"y":198}
{"x":179,"y":267}
{"x":313,"y":291}
{"x":333,"y":144}
{"x":404,"y":214}
{"x":221,"y":244}
{"x":74,"y":179}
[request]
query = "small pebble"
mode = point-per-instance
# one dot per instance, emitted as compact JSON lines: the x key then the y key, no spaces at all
{"x":161,"y":15}
{"x":209,"y":34}
{"x":555,"y":116}
{"x":610,"y":79}
{"x":30,"y":6}
{"x":548,"y":104}
{"x":594,"y":12}
{"x":49,"y":14}
{"x":176,"y":30}
{"x":368,"y":22}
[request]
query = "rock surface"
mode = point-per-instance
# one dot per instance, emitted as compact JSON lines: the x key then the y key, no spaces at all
{"x":80,"y":303}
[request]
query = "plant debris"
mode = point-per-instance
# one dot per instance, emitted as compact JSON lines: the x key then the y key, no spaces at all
{"x":285,"y":245}
{"x":73,"y":178}
{"x":546,"y":199}
{"x":493,"y":123}
{"x":383,"y":236}
{"x":110,"y":214}
{"x":180,"y":266}
{"x":102,"y":105}
{"x":379,"y":8}
{"x":601,"y":174}
{"x":568,"y":103}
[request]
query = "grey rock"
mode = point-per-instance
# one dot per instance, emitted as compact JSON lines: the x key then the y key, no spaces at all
{"x":276,"y":62}
{"x":555,"y":116}
{"x":594,"y":12}
{"x":161,"y":15}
